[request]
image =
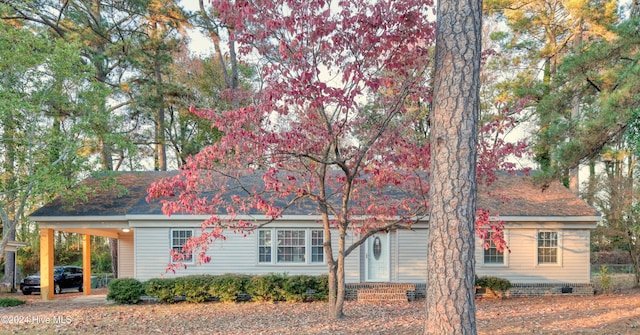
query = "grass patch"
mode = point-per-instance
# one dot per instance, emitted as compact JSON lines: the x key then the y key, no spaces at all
{"x":10,"y":302}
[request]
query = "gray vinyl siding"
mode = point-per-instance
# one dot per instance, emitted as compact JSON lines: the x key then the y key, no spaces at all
{"x":152,"y":252}
{"x":411,"y":256}
{"x":351,"y":262}
{"x":236,"y":254}
{"x":522,"y":263}
{"x":126,"y":266}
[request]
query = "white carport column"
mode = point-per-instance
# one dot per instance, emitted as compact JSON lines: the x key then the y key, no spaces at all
{"x":46,"y":264}
{"x":86,"y":264}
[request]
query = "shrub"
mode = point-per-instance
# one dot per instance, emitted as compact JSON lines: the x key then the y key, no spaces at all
{"x":267,"y":287}
{"x":493,"y":283}
{"x":125,"y":291}
{"x":194,"y":288}
{"x":605,"y":280}
{"x":296,"y":287}
{"x":227,"y":287}
{"x":322,"y":288}
{"x":163,"y":289}
{"x":235,"y":287}
{"x":10,"y":302}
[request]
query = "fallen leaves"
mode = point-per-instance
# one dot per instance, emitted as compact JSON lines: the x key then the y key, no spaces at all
{"x":599,"y":314}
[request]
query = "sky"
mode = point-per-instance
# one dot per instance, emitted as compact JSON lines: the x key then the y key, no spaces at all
{"x":199,"y":44}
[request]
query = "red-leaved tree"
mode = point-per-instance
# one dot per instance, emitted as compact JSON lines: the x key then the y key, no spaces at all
{"x":339,"y":126}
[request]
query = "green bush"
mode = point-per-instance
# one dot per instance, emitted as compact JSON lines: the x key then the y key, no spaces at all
{"x":296,"y":287}
{"x":227,"y":287}
{"x":163,"y":289}
{"x":194,"y":288}
{"x":493,"y":283}
{"x":125,"y":291}
{"x":10,"y":302}
{"x":322,"y":288}
{"x":267,"y":287}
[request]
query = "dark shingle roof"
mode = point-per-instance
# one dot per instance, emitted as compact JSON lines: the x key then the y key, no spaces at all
{"x":509,"y":195}
{"x":107,"y":199}
{"x":517,"y":195}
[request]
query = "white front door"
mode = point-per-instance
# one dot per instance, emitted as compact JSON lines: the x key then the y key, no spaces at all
{"x":377,"y":258}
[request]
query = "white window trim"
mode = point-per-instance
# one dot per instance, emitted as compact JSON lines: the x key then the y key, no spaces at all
{"x":559,"y":247}
{"x":171,"y":246}
{"x":274,"y":248}
{"x":505,"y":253}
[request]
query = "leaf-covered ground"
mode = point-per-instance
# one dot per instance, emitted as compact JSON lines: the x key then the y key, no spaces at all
{"x":71,"y":313}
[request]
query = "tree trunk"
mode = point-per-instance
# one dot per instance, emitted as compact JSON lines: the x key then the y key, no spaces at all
{"x":337,"y":307}
{"x":160,"y":150}
{"x":9,"y":263}
{"x":9,"y":220}
{"x":574,"y":173}
{"x":336,"y":283}
{"x":450,"y":305}
{"x":113,"y":246}
{"x":590,"y":195}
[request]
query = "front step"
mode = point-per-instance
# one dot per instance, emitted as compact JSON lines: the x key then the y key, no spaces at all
{"x":381,"y":291}
{"x":382,"y":295}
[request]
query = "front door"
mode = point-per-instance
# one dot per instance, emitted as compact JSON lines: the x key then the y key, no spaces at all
{"x":377,"y":258}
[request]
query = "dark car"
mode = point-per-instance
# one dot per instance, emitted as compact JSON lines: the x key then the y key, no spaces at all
{"x":63,"y":277}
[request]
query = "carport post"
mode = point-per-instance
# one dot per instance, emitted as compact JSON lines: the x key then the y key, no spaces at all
{"x":46,"y":264}
{"x":86,"y":264}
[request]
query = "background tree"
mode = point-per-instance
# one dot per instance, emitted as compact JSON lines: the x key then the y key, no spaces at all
{"x":44,"y":88}
{"x":606,"y":75}
{"x":198,"y":81}
{"x":618,"y":199}
{"x":540,"y":35}
{"x":105,"y":31}
{"x":220,"y":29}
{"x":165,"y":25}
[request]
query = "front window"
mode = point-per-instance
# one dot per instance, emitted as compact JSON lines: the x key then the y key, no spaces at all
{"x":492,"y":255}
{"x":317,"y":249}
{"x":291,"y":246}
{"x":303,"y":246}
{"x":179,"y":238}
{"x":547,"y":247}
{"x":264,"y":246}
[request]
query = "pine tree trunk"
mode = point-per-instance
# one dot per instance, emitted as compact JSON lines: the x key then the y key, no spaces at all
{"x":450,"y":305}
{"x":574,"y":173}
{"x":160,"y":149}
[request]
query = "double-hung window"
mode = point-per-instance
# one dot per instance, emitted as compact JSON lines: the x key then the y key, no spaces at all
{"x":492,"y":255}
{"x":179,"y":238}
{"x":301,"y":246}
{"x":547,"y":247}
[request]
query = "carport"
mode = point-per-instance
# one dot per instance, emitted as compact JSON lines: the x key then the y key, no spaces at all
{"x":98,"y":208}
{"x":47,"y":229}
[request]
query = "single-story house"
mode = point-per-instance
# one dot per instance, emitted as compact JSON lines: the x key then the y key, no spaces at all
{"x":548,"y":233}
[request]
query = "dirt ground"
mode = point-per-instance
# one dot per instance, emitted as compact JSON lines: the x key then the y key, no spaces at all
{"x":73,"y":313}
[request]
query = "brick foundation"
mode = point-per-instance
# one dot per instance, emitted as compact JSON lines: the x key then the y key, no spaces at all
{"x":380,"y":291}
{"x":393,"y":291}
{"x":538,"y":290}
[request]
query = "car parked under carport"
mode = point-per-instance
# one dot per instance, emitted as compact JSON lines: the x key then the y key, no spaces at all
{"x":64,"y":277}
